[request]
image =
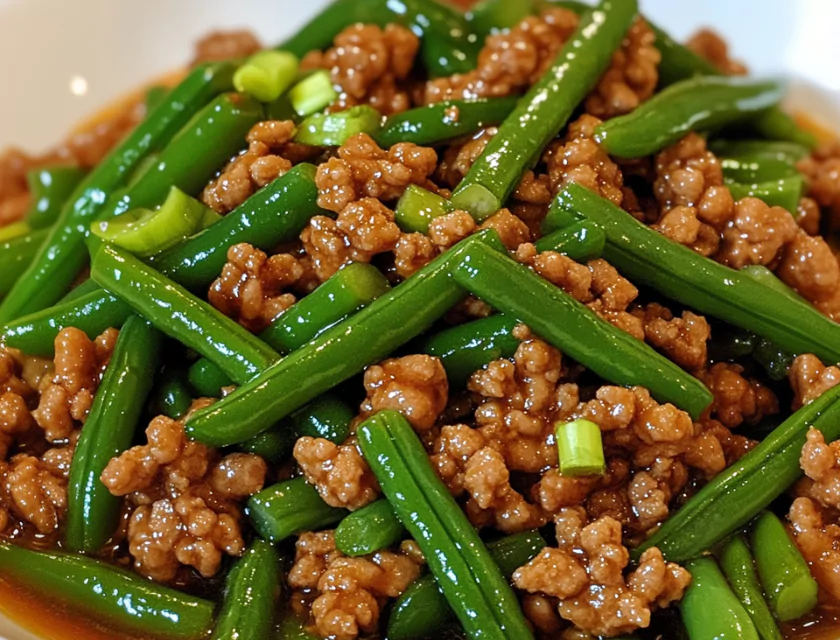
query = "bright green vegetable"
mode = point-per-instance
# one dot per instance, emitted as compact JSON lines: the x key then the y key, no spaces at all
{"x":207,"y":378}
{"x":745,"y":488}
{"x":313,"y":93}
{"x":14,"y":230}
{"x":697,"y":104}
{"x":155,"y":96}
{"x":751,"y":161}
{"x":266,"y":74}
{"x":369,"y":529}
{"x":16,"y":254}
{"x":580,"y":240}
{"x":545,"y":109}
{"x":491,"y":16}
{"x":417,"y":207}
{"x":50,"y":187}
{"x":251,"y":591}
{"x":180,"y":315}
{"x":580,"y":448}
{"x":473,"y":585}
{"x":710,"y":610}
{"x":781,"y":193}
{"x":102,"y":590}
{"x":172,"y":396}
{"x":736,"y":561}
{"x":333,"y":129}
{"x":787,"y":581}
{"x":290,"y":507}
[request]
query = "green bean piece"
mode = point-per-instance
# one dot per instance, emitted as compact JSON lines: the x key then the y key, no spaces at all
{"x":369,"y":529}
{"x":649,"y":258}
{"x":62,"y":254}
{"x":752,"y":161}
{"x":492,"y":16}
{"x":274,"y":445}
{"x":172,"y":396}
{"x":710,"y":610}
{"x":775,"y":124}
{"x":82,"y":289}
{"x":472,"y":583}
{"x":207,"y":378}
{"x":180,"y":315}
{"x":16,"y":254}
{"x":773,"y":359}
{"x":293,"y":628}
{"x":333,"y":129}
{"x":417,"y":207}
{"x":50,"y":187}
{"x":251,"y":591}
{"x":791,"y":589}
{"x":422,"y":610}
{"x":155,"y":96}
{"x":779,"y":193}
{"x":576,"y":330}
{"x":736,"y":561}
{"x":313,"y":93}
{"x":745,"y":488}
{"x":289,"y":507}
{"x":92,"y":512}
{"x":581,"y":241}
{"x":442,"y":121}
{"x":267,"y":74}
{"x":102,"y":590}
{"x":337,"y":354}
{"x":698,"y":104}
{"x":545,"y":109}
{"x":447,"y":44}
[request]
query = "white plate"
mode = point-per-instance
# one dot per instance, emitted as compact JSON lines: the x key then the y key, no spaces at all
{"x":61,"y":59}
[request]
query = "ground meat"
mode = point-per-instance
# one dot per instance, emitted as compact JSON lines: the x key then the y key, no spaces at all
{"x":414,"y":385}
{"x":14,"y":191}
{"x":808,"y":216}
{"x":810,"y":378}
{"x":449,"y":229}
{"x":15,"y":394}
{"x":184,"y":498}
{"x":339,"y":472}
{"x":510,"y":61}
{"x":631,"y":77}
{"x":736,"y":398}
{"x":811,"y":268}
{"x":67,"y":397}
{"x":460,"y":155}
{"x":756,"y":234}
{"x":818,"y":539}
{"x":586,"y":574}
{"x":511,"y":229}
{"x":224,"y":45}
{"x":351,"y":592}
{"x":369,"y":65}
{"x":821,"y":463}
{"x":251,"y":286}
{"x":36,"y":490}
{"x":709,"y":45}
{"x":682,"y":339}
{"x":364,"y":170}
{"x":821,"y":170}
{"x":413,"y":252}
{"x":262,"y":162}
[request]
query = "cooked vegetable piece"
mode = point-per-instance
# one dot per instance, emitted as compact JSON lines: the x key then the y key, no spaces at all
{"x":369,"y":529}
{"x":313,"y":93}
{"x":781,"y":193}
{"x":580,"y":448}
{"x":172,"y":396}
{"x":333,"y":129}
{"x":266,"y":74}
{"x":751,"y":161}
{"x":50,"y":187}
{"x":417,"y":207}
{"x":16,"y":254}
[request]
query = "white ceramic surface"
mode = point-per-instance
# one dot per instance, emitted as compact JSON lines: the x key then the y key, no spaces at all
{"x":61,"y":59}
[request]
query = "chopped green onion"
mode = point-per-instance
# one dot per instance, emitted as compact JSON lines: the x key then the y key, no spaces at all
{"x":14,"y":230}
{"x":266,"y":75}
{"x":478,"y":200}
{"x":580,"y":448}
{"x":333,"y":129}
{"x":418,"y":207}
{"x":313,"y":93}
{"x":145,"y":232}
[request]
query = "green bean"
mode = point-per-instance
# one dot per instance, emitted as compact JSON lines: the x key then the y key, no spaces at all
{"x":651,"y":259}
{"x":337,"y":354}
{"x":751,"y":161}
{"x":180,"y":315}
{"x":474,"y":586}
{"x":492,"y":16}
{"x":172,"y":396}
{"x":293,"y":628}
{"x":448,"y":46}
{"x":779,"y":193}
{"x":50,"y":187}
{"x":82,"y":289}
{"x":736,"y":561}
{"x":580,"y":240}
{"x":790,"y":588}
{"x":417,"y":207}
{"x":710,"y":610}
{"x":773,"y":359}
{"x":369,"y":529}
{"x":545,"y":109}
{"x":439,"y":122}
{"x":422,"y":611}
{"x":251,"y":591}
{"x":698,"y":104}
{"x":155,"y":96}
{"x":577,"y":331}
{"x":333,"y":129}
{"x":207,"y":378}
{"x":16,"y":254}
{"x":62,"y":255}
{"x":104,"y":591}
{"x":274,"y":445}
{"x":290,"y":507}
{"x":745,"y":488}
{"x":92,"y":512}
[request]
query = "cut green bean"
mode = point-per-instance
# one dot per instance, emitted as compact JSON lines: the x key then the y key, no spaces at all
{"x":651,"y":259}
{"x":791,"y":589}
{"x":50,"y":187}
{"x":16,"y":255}
{"x":180,"y":315}
{"x":102,"y":590}
{"x":290,"y":507}
{"x":545,"y":109}
{"x":745,"y":488}
{"x":155,"y":95}
{"x":172,"y":396}
{"x":442,"y":121}
{"x":333,"y":129}
{"x":266,"y":74}
{"x":313,"y":93}
{"x":491,"y":16}
{"x":710,"y":610}
{"x":251,"y":591}
{"x":369,"y":529}
{"x":417,"y":207}
{"x":474,"y":586}
{"x":780,"y":193}
{"x":580,"y":449}
{"x":773,"y":359}
{"x":751,"y":161}
{"x":736,"y":561}
{"x":698,"y":104}
{"x":207,"y":378}
{"x":576,"y":330}
{"x":581,"y":241}
{"x":92,"y":512}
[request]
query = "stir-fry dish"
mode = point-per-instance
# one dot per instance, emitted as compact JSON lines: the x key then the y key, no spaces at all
{"x":515,"y":323}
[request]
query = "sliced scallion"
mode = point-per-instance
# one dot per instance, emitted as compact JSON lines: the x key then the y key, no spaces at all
{"x":267,"y":74}
{"x":333,"y":129}
{"x":579,"y":447}
{"x":418,"y":207}
{"x":313,"y":93}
